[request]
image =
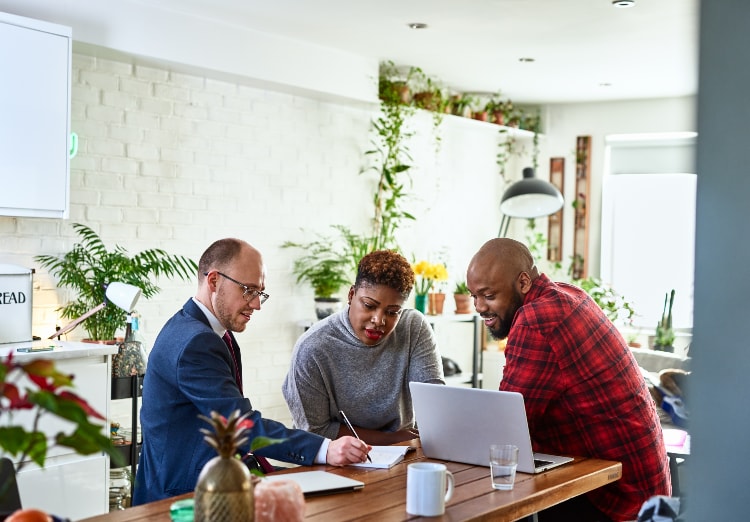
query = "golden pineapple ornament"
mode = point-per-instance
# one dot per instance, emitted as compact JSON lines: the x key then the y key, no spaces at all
{"x":224,"y":492}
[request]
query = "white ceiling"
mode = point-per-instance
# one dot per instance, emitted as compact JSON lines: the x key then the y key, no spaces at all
{"x":584,"y":50}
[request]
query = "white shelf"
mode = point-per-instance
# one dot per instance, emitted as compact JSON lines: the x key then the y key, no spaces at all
{"x":452,"y":119}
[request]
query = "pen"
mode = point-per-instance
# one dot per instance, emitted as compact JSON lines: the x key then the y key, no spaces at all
{"x":351,"y":428}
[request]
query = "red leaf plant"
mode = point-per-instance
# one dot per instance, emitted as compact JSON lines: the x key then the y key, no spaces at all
{"x":38,"y":386}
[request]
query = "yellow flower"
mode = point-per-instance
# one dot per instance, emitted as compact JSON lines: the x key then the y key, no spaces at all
{"x":427,"y":274}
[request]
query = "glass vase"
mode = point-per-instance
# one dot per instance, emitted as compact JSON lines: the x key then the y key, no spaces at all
{"x":420,"y":302}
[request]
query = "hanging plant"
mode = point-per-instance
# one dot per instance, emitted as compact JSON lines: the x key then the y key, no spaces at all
{"x":428,"y":96}
{"x":329,"y":262}
{"x":534,"y":124}
{"x":505,"y":149}
{"x":391,"y":163}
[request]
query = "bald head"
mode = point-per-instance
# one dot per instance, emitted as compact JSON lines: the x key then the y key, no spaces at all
{"x":223,"y":252}
{"x":504,"y":258}
{"x":499,"y":276}
{"x":229,"y":271}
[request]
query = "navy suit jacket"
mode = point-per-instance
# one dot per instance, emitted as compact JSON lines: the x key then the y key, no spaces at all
{"x":190,"y":372}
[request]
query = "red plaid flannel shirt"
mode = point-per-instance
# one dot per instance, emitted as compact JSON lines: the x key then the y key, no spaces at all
{"x":584,"y":393}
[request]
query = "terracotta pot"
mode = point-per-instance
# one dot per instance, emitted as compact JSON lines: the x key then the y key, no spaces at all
{"x":436,"y":301}
{"x":426,"y":100}
{"x":463,"y":303}
{"x":401,"y":91}
{"x":404,"y":93}
{"x":480,"y":115}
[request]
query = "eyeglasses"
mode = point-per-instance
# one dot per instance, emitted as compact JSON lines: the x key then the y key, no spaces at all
{"x":248,"y":293}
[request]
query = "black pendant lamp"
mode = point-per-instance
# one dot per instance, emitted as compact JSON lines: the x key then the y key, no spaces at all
{"x":529,"y":198}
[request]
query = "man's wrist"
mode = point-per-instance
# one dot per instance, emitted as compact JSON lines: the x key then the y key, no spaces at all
{"x":322,"y":456}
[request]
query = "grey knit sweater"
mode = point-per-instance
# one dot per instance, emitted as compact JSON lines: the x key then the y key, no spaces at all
{"x":333,"y":370}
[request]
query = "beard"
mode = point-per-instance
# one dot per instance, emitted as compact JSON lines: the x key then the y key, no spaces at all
{"x":226,"y":315}
{"x":505,"y":321}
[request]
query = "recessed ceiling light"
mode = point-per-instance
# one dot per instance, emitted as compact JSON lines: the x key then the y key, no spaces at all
{"x":605,"y":84}
{"x":623,"y":3}
{"x":526,"y":59}
{"x":417,"y":25}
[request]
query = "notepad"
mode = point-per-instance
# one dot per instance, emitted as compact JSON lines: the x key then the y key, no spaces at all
{"x":384,"y":457}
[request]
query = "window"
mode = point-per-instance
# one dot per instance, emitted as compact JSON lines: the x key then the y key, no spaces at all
{"x":648,"y":224}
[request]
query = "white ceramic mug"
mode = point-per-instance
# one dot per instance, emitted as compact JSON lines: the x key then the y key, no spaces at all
{"x":428,"y":487}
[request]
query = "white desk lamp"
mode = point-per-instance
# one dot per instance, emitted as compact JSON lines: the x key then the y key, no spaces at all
{"x":122,"y":295}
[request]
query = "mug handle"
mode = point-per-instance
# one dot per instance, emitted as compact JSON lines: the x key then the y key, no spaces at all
{"x":449,"y":482}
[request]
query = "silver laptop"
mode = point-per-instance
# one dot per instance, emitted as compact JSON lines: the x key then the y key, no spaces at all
{"x":460,"y":424}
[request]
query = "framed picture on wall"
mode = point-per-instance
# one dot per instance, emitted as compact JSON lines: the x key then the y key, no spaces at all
{"x":555,"y":221}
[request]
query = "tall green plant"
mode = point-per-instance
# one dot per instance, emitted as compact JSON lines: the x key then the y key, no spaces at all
{"x":89,"y":267}
{"x":391,"y":163}
{"x":664,"y":333}
{"x":333,"y":259}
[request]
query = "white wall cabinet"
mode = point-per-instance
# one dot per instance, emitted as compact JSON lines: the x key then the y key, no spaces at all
{"x":35,"y":67}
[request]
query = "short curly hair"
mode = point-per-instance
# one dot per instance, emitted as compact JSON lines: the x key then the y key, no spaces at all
{"x":386,"y":267}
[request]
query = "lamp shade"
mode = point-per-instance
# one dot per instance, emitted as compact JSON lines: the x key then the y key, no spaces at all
{"x":123,"y":295}
{"x":531,"y":197}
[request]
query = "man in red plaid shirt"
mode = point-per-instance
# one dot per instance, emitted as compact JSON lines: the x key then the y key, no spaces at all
{"x":583,"y":390}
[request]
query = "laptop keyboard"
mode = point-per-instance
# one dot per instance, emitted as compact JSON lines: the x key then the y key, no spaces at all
{"x":539,"y":463}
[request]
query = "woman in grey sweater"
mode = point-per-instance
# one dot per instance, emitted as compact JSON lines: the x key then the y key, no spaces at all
{"x":361,"y":359}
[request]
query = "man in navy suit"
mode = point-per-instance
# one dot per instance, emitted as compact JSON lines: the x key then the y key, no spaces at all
{"x":192,"y":370}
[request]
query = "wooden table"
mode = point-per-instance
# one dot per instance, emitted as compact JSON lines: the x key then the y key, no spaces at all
{"x":384,"y":496}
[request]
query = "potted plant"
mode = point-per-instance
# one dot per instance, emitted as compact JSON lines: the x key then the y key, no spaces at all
{"x":461,"y":105}
{"x":511,"y":114}
{"x":495,"y":110}
{"x":89,"y":267}
{"x":32,"y":393}
{"x":427,"y":93}
{"x":479,"y":109}
{"x":393,"y":86}
{"x":326,"y":267}
{"x":426,"y":276}
{"x":618,"y":309}
{"x":664,"y":339}
{"x":462,"y":296}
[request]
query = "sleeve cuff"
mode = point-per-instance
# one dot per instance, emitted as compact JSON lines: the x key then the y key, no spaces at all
{"x":320,"y":458}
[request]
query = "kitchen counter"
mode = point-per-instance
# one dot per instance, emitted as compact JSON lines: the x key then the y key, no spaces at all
{"x":60,"y":350}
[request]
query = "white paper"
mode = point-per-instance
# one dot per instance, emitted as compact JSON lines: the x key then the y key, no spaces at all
{"x":384,"y":457}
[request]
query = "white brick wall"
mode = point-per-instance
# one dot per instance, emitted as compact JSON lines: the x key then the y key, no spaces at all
{"x":177,"y":161}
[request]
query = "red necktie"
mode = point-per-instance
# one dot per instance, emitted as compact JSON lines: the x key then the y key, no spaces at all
{"x":237,"y":375}
{"x":264,"y":464}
